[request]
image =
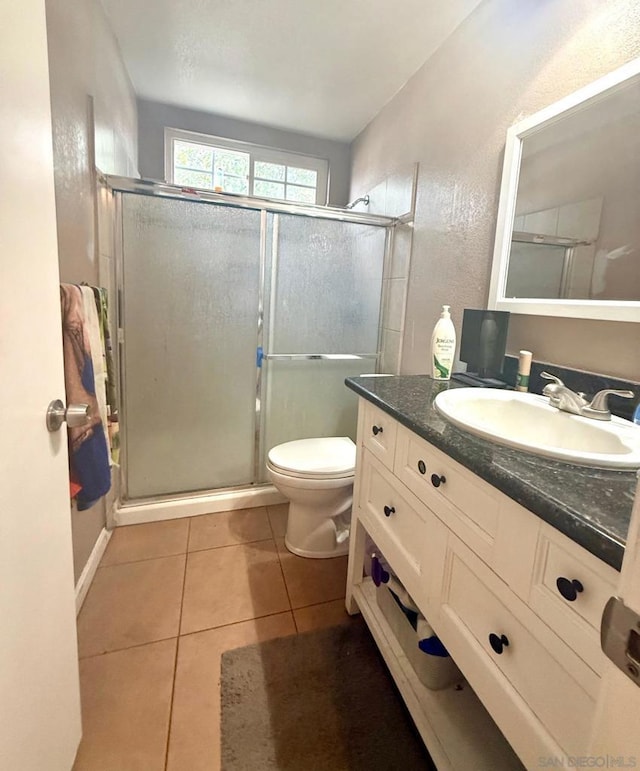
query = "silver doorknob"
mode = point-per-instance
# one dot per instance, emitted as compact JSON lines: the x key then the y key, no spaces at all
{"x":75,"y":415}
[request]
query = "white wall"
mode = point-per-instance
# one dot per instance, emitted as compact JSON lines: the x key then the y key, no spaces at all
{"x":85,"y":61}
{"x":505,"y":61}
{"x":153,"y":117}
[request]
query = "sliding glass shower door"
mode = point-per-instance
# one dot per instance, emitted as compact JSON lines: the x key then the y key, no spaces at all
{"x":190,"y":281}
{"x":238,"y":328}
{"x":324,"y":291}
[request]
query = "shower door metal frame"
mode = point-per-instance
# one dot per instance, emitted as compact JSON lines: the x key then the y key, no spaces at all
{"x":119,"y":186}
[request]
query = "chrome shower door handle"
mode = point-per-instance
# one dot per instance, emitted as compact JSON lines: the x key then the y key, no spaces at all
{"x":75,"y":415}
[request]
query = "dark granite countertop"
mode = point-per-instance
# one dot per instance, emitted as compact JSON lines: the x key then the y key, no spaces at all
{"x":590,"y":506}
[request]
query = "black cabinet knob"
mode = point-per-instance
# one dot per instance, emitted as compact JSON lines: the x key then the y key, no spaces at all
{"x":421,"y":467}
{"x":389,"y":510}
{"x":569,"y":589}
{"x":437,"y":479}
{"x":498,"y":643}
{"x":377,"y":430}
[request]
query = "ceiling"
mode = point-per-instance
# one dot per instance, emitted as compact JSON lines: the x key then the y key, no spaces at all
{"x":323,"y":68}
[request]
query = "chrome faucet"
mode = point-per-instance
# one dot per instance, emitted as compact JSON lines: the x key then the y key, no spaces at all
{"x":569,"y":401}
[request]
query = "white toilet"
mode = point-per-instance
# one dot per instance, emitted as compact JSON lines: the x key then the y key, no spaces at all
{"x":316,"y":475}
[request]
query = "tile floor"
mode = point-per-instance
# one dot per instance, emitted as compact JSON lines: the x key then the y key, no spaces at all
{"x":167,"y":600}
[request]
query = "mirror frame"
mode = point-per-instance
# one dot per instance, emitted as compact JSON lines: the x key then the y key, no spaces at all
{"x":608,"y":310}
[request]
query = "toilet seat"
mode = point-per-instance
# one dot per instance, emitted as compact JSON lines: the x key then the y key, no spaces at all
{"x":318,"y":458}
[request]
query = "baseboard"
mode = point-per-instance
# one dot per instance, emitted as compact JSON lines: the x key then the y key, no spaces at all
{"x":86,"y":577}
{"x":135,"y":514}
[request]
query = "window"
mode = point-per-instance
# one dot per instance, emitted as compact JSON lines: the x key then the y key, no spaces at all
{"x":213,"y":163}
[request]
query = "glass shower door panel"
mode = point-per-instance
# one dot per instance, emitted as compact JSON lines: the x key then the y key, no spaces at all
{"x":324,"y":298}
{"x":535,"y":270}
{"x":326,"y":294}
{"x":190,"y":304}
{"x":309,"y":398}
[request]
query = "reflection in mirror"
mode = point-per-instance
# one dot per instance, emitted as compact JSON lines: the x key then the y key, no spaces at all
{"x":570,"y":206}
{"x":576,"y":231}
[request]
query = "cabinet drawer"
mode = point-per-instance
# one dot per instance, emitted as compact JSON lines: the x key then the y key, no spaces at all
{"x":481,"y":603}
{"x":467,"y":504}
{"x":379,"y":433}
{"x":410,"y":537}
{"x":569,"y":591}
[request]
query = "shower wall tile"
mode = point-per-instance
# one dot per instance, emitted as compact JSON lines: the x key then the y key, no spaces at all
{"x":400,"y":192}
{"x":105,"y":206}
{"x":393,"y":196}
{"x":391,"y":348}
{"x":401,"y":252}
{"x":396,"y":291}
{"x":378,"y":198}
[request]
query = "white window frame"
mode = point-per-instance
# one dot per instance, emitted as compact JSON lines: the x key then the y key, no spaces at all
{"x":257,"y":153}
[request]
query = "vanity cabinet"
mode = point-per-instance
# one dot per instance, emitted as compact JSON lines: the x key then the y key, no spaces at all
{"x":516,"y":603}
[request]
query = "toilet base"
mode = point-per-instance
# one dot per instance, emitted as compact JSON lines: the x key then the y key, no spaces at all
{"x":340,"y":550}
{"x":312,"y":533}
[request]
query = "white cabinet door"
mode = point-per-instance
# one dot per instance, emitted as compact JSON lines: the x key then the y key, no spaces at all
{"x":39,"y":694}
{"x":616,"y":733}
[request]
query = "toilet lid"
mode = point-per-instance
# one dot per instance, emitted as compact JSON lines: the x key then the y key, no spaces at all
{"x":322,"y":457}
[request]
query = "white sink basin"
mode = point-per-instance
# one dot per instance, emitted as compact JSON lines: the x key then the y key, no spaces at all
{"x":527,"y":422}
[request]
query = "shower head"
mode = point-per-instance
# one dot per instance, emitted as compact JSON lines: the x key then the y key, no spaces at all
{"x":363,"y":199}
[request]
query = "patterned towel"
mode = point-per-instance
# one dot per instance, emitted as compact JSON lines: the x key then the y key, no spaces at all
{"x":88,"y":453}
{"x":100,"y":296}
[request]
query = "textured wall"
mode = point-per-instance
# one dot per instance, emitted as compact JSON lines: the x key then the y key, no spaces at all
{"x":84,"y":61}
{"x":506,"y":61}
{"x":153,"y":117}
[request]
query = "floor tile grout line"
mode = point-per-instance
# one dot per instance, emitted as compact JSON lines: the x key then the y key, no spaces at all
{"x":235,"y":623}
{"x":127,"y":648}
{"x":286,"y":588}
{"x":206,"y":629}
{"x":322,"y":602}
{"x":227,"y":545}
{"x":178,"y":554}
{"x":240,"y":621}
{"x":175,"y":661}
{"x":143,"y":559}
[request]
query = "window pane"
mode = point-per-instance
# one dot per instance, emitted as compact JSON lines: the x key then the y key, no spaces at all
{"x":302,"y":176}
{"x":193,"y":178}
{"x":302,"y":194}
{"x":268,"y":189}
{"x":233,"y":163}
{"x":238,"y":185}
{"x":272,"y":171}
{"x":193,"y":156}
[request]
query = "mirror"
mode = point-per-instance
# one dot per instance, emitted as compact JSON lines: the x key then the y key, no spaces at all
{"x":568,"y":231}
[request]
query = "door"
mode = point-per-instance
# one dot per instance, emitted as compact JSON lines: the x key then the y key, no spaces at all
{"x":39,"y":694}
{"x":616,"y":735}
{"x":190,"y":278}
{"x":323,"y":306}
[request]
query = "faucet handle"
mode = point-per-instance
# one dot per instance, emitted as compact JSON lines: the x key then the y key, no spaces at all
{"x":599,"y":403}
{"x":552,"y":389}
{"x":549,"y":376}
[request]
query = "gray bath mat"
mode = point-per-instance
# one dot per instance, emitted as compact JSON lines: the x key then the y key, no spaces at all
{"x":314,"y":702}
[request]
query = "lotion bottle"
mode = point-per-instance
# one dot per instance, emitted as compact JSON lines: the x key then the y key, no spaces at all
{"x":443,"y":346}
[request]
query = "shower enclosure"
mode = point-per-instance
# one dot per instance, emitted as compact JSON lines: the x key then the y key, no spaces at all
{"x":238,"y":320}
